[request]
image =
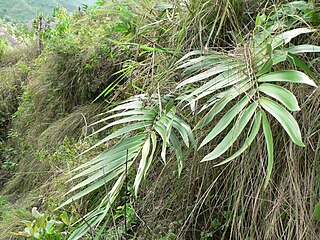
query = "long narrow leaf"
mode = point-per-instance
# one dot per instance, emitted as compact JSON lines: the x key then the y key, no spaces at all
{"x":253,"y":133}
{"x":269,"y":140}
{"x":286,"y":120}
{"x":114,"y":151}
{"x":225,"y":120}
{"x":304,"y":49}
{"x":122,"y":131}
{"x":233,"y":134}
{"x":177,"y":148}
{"x":142,"y":165}
{"x":209,"y":73}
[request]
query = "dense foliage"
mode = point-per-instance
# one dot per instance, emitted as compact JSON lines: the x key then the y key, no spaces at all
{"x":151,"y":120}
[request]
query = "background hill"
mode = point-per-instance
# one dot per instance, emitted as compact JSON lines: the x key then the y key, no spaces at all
{"x":25,"y":10}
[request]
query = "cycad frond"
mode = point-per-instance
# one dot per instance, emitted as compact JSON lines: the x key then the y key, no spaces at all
{"x":141,"y":127}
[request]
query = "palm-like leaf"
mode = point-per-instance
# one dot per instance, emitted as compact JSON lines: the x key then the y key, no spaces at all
{"x":141,"y":126}
{"x":219,"y":78}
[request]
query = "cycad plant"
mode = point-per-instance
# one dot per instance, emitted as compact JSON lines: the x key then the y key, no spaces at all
{"x":241,"y":85}
{"x":250,"y":77}
{"x":144,"y":124}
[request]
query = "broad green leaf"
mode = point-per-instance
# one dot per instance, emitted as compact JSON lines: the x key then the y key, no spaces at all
{"x":292,"y":76}
{"x":269,"y":140}
{"x":169,"y":106}
{"x":225,"y":120}
{"x":161,"y":130}
{"x":227,"y":96}
{"x":227,"y":78}
{"x":218,"y":107}
{"x":95,"y":217}
{"x":142,"y":165}
{"x":281,"y":94}
{"x":303,"y":49}
{"x":286,"y":120}
{"x":222,"y":84}
{"x":184,"y":129}
{"x":202,"y":61}
{"x":108,"y":170}
{"x":162,"y":6}
{"x":167,"y":124}
{"x":253,"y":133}
{"x":233,"y":134}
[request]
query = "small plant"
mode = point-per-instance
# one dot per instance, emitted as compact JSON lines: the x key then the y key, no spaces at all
{"x":45,"y":227}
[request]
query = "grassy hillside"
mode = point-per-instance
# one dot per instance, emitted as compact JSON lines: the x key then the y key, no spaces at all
{"x":145,"y":120}
{"x":25,"y":10}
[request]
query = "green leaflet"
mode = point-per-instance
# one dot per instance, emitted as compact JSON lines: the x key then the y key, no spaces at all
{"x":126,"y":120}
{"x":233,"y":134}
{"x":219,"y":105}
{"x":99,"y":183}
{"x":269,"y":140}
{"x":154,"y":147}
{"x":292,"y":76}
{"x":286,"y":120}
{"x":177,"y":148}
{"x":122,"y":131}
{"x":223,"y":79}
{"x":281,"y":94}
{"x":209,"y":73}
{"x":266,"y":67}
{"x":193,"y":53}
{"x":279,"y":56}
{"x":142,"y":166}
{"x":126,"y":113}
{"x":127,"y":106}
{"x":225,"y":120}
{"x":161,"y":130}
{"x":253,"y":133}
{"x":203,"y":65}
{"x":297,"y":62}
{"x":111,"y":161}
{"x":303,"y":49}
{"x":115,"y":151}
{"x":286,"y":37}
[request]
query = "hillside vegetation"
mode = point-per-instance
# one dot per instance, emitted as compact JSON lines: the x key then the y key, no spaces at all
{"x":152,"y":120}
{"x":26,"y":10}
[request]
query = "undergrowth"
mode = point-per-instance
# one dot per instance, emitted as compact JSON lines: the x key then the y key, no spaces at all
{"x":96,"y":59}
